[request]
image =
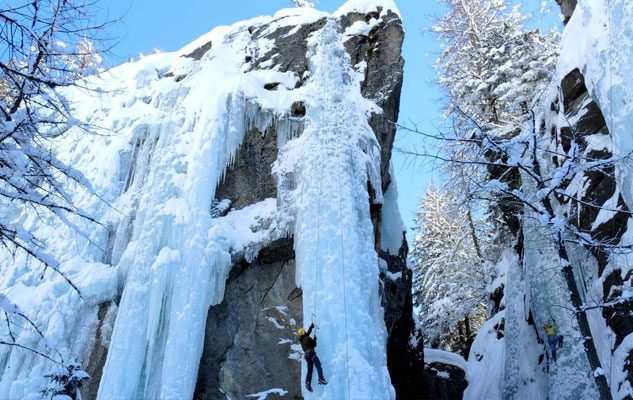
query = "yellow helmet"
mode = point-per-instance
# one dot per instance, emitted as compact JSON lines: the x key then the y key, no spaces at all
{"x":301,"y":332}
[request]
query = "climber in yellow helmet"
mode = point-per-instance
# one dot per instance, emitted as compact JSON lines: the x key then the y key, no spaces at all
{"x":308,"y":344}
{"x":553,"y":339}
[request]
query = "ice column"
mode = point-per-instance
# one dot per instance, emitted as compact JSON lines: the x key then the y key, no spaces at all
{"x":330,"y":165}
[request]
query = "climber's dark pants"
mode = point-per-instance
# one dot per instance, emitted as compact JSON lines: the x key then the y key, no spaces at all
{"x":554,"y":341}
{"x":313,"y":360}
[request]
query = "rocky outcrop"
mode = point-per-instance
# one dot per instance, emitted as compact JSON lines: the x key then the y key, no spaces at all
{"x":567,"y":7}
{"x":574,"y":125}
{"x":249,"y":336}
{"x":445,"y":382}
{"x":381,"y":50}
{"x":403,"y":358}
{"x":99,"y":351}
{"x":588,"y":122}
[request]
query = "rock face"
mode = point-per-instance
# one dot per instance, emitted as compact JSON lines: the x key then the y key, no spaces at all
{"x":99,"y":351}
{"x":159,"y":299}
{"x":567,"y":7}
{"x":602,"y":189}
{"x":445,"y":381}
{"x":249,"y":336}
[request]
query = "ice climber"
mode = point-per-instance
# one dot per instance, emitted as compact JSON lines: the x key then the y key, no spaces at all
{"x":554,"y":340}
{"x":308,"y":344}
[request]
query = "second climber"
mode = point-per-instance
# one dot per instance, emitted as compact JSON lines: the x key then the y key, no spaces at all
{"x":553,"y":338}
{"x":308,"y":344}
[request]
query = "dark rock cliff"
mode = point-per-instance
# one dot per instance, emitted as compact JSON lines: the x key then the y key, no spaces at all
{"x":249,"y":345}
{"x":567,"y":7}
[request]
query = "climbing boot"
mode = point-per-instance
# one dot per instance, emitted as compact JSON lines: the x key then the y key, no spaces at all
{"x":560,"y":341}
{"x":308,"y":386}
{"x":322,"y":381}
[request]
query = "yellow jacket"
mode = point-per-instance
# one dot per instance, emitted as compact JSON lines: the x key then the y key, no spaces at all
{"x":551,"y":331}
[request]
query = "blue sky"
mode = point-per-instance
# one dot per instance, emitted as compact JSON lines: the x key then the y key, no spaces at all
{"x":167,"y":25}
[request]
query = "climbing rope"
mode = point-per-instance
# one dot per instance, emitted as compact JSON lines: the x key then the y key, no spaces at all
{"x":318,"y":239}
{"x":314,"y":314}
{"x":340,"y":210}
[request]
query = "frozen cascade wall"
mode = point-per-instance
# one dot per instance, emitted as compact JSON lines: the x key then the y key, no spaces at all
{"x":590,"y":97}
{"x":523,"y":376}
{"x":330,"y":165}
{"x":172,"y":123}
{"x":157,"y":338}
{"x":570,"y":377}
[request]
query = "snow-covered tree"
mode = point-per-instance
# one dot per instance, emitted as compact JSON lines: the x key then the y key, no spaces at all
{"x":516,"y":152}
{"x":449,"y":283}
{"x":491,"y":66}
{"x":65,"y":382}
{"x":47,"y":46}
{"x":86,"y":60}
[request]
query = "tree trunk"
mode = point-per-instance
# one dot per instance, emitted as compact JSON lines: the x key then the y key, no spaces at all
{"x":473,"y":233}
{"x":467,"y":327}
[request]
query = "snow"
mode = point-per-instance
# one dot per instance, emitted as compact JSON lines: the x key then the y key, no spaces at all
{"x":164,"y":145}
{"x":500,"y":273}
{"x":443,"y":375}
{"x":484,"y":369}
{"x":366,"y":7}
{"x":361,"y":28}
{"x":393,"y":276}
{"x":248,"y":229}
{"x":7,"y":306}
{"x":276,"y":324}
{"x":264,"y":395}
{"x":621,"y":386}
{"x":608,"y":210}
{"x":444,"y":357}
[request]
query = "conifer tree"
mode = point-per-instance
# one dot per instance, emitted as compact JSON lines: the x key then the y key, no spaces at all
{"x":449,"y":284}
{"x":491,"y":66}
